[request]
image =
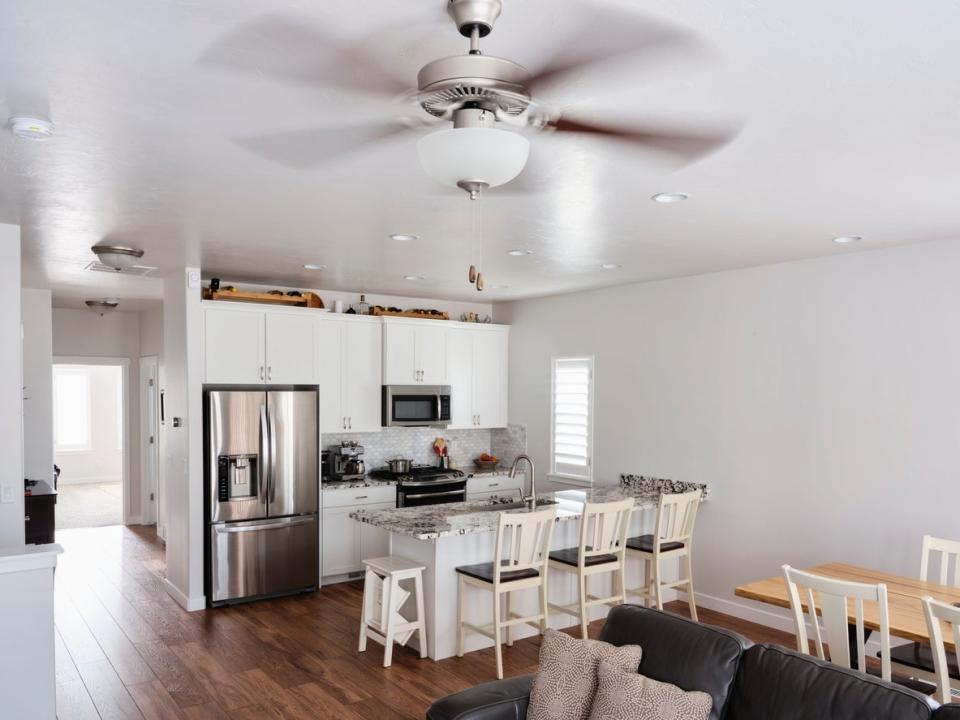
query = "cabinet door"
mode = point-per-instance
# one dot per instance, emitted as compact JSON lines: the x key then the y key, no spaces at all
{"x":341,"y":542}
{"x":460,"y":377}
{"x":400,"y":355}
{"x":233,"y":347}
{"x":329,"y":354}
{"x":374,"y":541}
{"x":361,"y":377}
{"x":489,"y":378}
{"x":432,"y":354}
{"x":290,"y":350}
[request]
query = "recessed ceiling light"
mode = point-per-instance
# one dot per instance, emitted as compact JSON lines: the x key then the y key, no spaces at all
{"x":404,"y":237}
{"x":610,"y":266}
{"x":414,"y":277}
{"x":670,"y":197}
{"x":519,"y":252}
{"x":314,"y":266}
{"x":844,"y":239}
{"x":29,"y":128}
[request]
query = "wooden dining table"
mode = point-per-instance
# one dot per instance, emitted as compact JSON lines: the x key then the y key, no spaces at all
{"x":905,"y":613}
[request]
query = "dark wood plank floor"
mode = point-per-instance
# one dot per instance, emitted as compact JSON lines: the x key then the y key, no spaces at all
{"x":125,"y":649}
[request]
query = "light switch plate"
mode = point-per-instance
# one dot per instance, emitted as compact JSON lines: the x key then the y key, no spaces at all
{"x":193,"y":279}
{"x":6,"y":494}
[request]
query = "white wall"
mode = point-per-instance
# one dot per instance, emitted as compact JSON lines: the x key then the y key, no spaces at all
{"x":151,"y":332}
{"x":11,"y":389}
{"x":819,"y":399}
{"x":182,"y":447}
{"x":103,"y":461}
{"x":37,"y":320}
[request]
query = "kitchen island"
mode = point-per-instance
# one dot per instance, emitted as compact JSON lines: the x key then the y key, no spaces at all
{"x":443,"y":537}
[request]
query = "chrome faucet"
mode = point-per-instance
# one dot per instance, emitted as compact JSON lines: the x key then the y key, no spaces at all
{"x":530,"y":500}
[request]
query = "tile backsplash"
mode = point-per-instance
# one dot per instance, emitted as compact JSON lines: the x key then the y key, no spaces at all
{"x":416,"y":444}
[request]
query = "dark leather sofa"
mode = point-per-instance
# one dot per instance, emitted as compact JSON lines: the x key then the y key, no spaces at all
{"x":747,"y":682}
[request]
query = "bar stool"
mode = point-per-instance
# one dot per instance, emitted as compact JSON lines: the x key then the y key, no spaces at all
{"x":603,"y":534}
{"x":383,"y":598}
{"x":672,"y":538}
{"x":520,"y":562}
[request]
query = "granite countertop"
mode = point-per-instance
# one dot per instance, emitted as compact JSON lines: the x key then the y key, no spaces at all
{"x":435,"y":521}
{"x":350,"y":484}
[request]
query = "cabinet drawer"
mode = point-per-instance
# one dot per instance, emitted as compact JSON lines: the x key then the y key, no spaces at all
{"x":359,"y":496}
{"x":491,"y":483}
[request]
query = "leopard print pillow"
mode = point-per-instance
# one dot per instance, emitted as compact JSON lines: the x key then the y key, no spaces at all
{"x":566,"y":679}
{"x":626,"y":695}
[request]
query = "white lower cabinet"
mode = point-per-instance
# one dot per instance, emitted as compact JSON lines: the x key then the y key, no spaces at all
{"x":484,"y":486}
{"x":345,"y":541}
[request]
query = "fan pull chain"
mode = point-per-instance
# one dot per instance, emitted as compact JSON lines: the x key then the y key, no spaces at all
{"x":478,"y":222}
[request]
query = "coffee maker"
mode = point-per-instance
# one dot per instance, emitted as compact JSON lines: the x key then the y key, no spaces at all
{"x":348,"y":461}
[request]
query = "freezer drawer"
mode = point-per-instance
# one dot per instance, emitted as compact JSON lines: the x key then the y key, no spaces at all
{"x":263,"y":557}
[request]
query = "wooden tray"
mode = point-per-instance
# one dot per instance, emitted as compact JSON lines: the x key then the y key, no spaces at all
{"x":307,"y":299}
{"x":409,"y":314}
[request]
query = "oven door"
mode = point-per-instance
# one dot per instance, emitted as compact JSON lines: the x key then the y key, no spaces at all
{"x":417,"y":495}
{"x":416,"y":406}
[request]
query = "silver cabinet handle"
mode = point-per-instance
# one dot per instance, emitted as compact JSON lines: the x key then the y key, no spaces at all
{"x":261,"y":373}
{"x":269,"y":373}
{"x":344,"y":422}
{"x":494,"y":485}
{"x":350,"y":423}
{"x":361,"y":497}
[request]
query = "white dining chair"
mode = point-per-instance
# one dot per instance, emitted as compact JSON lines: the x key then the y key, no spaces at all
{"x":520,"y":562}
{"x":832,"y":598}
{"x":946,"y":670}
{"x":672,"y":538}
{"x":603,"y":540}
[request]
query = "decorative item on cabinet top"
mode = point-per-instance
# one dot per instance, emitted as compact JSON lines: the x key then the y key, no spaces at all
{"x":381,"y":311}
{"x":297,"y":298}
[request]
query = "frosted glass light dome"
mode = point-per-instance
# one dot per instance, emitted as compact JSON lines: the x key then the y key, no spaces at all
{"x":486,"y":155}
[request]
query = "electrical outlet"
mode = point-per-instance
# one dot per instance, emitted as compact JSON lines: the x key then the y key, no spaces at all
{"x":6,"y":494}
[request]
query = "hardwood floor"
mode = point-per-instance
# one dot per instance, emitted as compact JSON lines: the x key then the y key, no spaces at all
{"x":125,"y":649}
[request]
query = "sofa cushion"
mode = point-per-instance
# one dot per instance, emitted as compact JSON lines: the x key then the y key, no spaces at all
{"x":947,"y":712}
{"x":630,"y":696}
{"x":679,"y":651}
{"x":774,"y":682}
{"x":498,"y":700}
{"x":566,"y":680}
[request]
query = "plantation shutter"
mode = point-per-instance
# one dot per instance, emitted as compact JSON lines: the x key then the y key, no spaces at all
{"x":572,"y":405}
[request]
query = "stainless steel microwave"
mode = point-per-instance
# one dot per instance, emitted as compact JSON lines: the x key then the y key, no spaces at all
{"x":416,"y":405}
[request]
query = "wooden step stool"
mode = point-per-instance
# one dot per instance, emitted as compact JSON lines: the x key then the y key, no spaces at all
{"x":382,"y":590}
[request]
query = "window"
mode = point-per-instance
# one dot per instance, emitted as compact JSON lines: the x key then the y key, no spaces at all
{"x":71,"y":409}
{"x":571,"y":436}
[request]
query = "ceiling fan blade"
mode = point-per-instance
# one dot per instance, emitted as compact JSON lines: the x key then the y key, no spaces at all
{"x":686,"y":144}
{"x":311,"y":148}
{"x":297,"y":50}
{"x":605,"y":34}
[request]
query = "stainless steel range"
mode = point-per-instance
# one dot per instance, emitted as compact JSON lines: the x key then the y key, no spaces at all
{"x":426,"y":485}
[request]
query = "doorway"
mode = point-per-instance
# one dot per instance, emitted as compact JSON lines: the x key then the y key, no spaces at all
{"x":90,"y":441}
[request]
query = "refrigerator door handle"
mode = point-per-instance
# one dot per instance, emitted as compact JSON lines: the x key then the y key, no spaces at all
{"x":273,"y":454}
{"x":272,"y":526}
{"x":266,"y":459}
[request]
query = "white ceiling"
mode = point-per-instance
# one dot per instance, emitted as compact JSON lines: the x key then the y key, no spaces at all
{"x":849,"y":113}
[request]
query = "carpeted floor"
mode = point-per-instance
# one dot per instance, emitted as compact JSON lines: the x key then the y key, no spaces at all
{"x":89,"y":505}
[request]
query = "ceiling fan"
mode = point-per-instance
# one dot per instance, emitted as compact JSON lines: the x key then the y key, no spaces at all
{"x":475,"y":92}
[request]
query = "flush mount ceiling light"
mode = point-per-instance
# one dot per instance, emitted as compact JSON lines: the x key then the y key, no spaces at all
{"x":102,"y":306}
{"x":844,"y":239}
{"x":610,"y":266}
{"x":519,"y":252}
{"x":314,"y":266}
{"x":414,"y":278}
{"x":118,"y":257}
{"x":404,"y":237}
{"x":29,"y":128}
{"x":670,"y":197}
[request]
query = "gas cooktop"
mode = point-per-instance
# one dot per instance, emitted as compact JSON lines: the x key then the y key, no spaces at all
{"x":419,"y":475}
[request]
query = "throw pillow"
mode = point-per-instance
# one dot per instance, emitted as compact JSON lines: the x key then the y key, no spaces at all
{"x":625,"y":695}
{"x":566,"y":680}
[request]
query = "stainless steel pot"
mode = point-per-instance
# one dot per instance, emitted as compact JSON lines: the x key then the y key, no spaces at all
{"x":399,"y":466}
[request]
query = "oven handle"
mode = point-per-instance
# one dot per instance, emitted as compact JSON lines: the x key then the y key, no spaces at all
{"x":422,"y":483}
{"x":420,"y":496}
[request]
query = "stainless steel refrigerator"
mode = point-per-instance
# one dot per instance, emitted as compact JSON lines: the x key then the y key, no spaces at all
{"x":261,"y":478}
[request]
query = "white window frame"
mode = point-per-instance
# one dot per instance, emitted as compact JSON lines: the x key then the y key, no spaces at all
{"x":565,"y":477}
{"x":57,"y":445}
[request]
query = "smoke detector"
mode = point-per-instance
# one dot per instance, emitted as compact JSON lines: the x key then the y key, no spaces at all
{"x":29,"y":128}
{"x":117,"y":257}
{"x":103,"y":306}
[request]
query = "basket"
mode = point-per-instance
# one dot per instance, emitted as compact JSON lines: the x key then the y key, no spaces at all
{"x":486,"y":465}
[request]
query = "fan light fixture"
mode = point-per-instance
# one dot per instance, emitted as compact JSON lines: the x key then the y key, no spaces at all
{"x":117,"y":257}
{"x":102,"y":306}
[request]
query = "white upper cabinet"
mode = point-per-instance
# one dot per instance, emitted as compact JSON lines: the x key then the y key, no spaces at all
{"x":414,"y":353}
{"x":290,"y":349}
{"x":477,"y":372}
{"x":233,"y":344}
{"x":350,"y":364}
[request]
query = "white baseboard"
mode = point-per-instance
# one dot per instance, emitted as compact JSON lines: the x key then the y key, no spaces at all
{"x":187,"y":603}
{"x":91,"y":480}
{"x":747,"y":611}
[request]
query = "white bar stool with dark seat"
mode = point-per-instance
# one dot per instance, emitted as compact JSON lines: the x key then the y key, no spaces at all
{"x":672,"y":538}
{"x":520,"y":563}
{"x":384,"y":597}
{"x":603,"y":534}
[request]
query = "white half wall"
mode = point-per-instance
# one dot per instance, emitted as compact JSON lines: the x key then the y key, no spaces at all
{"x":11,"y":390}
{"x":819,"y":399}
{"x":37,"y":317}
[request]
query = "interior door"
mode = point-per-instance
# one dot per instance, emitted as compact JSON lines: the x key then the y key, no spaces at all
{"x":294,"y":461}
{"x":289,"y":349}
{"x":330,"y":354}
{"x":460,"y":377}
{"x":362,"y":375}
{"x":432,"y":354}
{"x":400,"y":355}
{"x":234,"y":347}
